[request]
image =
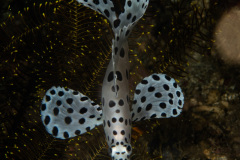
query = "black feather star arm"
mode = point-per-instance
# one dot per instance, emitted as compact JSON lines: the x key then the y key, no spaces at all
{"x":47,"y":44}
{"x":174,"y":29}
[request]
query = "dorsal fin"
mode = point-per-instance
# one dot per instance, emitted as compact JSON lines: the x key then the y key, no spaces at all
{"x":67,"y":113}
{"x":157,"y":96}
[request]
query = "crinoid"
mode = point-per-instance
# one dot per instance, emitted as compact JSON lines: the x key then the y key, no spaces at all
{"x":54,"y":42}
{"x":174,"y":30}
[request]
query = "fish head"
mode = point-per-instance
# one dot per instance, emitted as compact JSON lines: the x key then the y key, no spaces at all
{"x":120,"y":152}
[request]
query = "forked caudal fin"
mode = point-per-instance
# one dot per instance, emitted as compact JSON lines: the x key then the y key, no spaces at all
{"x":67,"y":113}
{"x":133,"y":11}
{"x":157,"y":96}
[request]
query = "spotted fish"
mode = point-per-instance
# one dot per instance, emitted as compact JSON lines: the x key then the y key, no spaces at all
{"x":67,"y":113}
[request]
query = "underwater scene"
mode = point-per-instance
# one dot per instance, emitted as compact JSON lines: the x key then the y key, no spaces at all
{"x":120,"y":79}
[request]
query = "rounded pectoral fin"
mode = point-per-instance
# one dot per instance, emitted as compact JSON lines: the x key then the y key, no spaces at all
{"x":157,"y":96}
{"x":66,"y":113}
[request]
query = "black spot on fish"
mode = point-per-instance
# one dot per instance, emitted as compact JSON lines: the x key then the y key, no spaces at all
{"x":116,"y":23}
{"x":55,"y":111}
{"x":110,"y":76}
{"x":144,"y":81}
{"x":48,"y":98}
{"x":107,"y":13}
{"x":134,"y":19}
{"x":175,"y":85}
{"x":158,"y":95}
{"x":88,"y":129}
{"x":119,"y":76}
{"x":84,"y":98}
{"x":151,"y":89}
{"x":126,"y":122}
{"x":96,"y":2}
{"x":70,"y":110}
{"x":153,"y":116}
{"x":68,"y":120}
{"x":66,"y":135}
{"x":149,"y":107}
{"x":129,"y":16}
{"x":105,"y":1}
{"x":55,"y":131}
{"x":47,"y":120}
{"x":179,"y":102}
{"x":162,"y":105}
{"x":121,"y":119}
{"x":170,"y":95}
{"x":92,"y":116}
{"x":135,"y":101}
{"x":114,"y":119}
{"x":69,"y":101}
{"x":60,"y":93}
{"x":163,"y":115}
{"x":174,"y":112}
{"x":129,"y":148}
{"x":122,"y":53}
{"x":81,"y":121}
{"x":137,"y":91}
{"x":139,"y":109}
{"x":166,"y":87}
{"x":77,"y":132}
{"x":59,"y":102}
{"x":142,"y":118}
{"x":156,"y":77}
{"x":121,"y":102}
{"x":75,"y":92}
{"x":83,"y":110}
{"x":143,"y":99}
{"x":116,"y":50}
{"x":129,"y":3}
{"x":114,"y":88}
{"x":127,"y":33}
{"x":52,"y":92}
{"x":167,"y":78}
{"x":112,"y":104}
{"x":178,"y":93}
{"x":43,"y":108}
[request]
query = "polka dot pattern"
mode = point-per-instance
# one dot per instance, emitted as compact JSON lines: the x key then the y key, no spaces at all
{"x":164,"y":98}
{"x":133,"y":11}
{"x":116,"y":117}
{"x":67,"y":113}
{"x":104,"y":7}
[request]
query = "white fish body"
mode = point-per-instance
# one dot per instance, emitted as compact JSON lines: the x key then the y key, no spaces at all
{"x":67,"y":113}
